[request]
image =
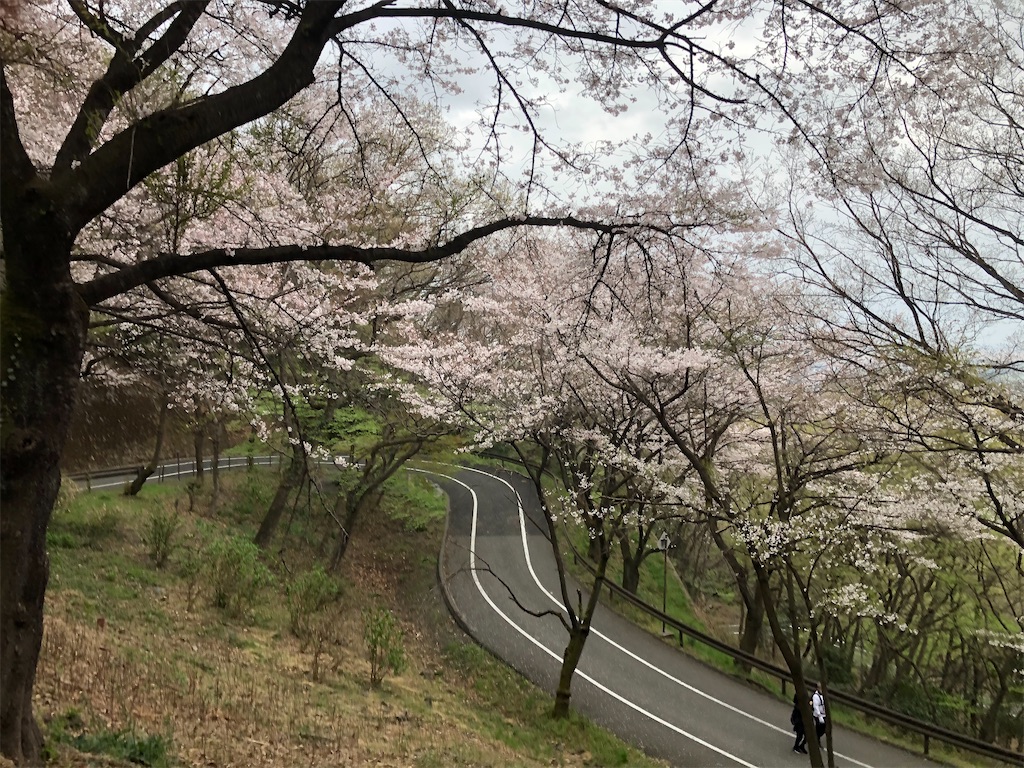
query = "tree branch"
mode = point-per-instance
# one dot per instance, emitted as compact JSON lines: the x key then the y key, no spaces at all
{"x":172,"y":264}
{"x":113,"y":169}
{"x":126,"y":70}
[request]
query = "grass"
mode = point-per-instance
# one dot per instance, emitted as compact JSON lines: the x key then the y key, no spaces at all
{"x":511,"y":695}
{"x":130,"y":674}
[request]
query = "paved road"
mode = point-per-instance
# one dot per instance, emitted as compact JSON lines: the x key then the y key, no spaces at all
{"x":634,"y":684}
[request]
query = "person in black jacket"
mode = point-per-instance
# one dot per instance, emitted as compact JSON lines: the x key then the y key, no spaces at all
{"x":800,"y":745}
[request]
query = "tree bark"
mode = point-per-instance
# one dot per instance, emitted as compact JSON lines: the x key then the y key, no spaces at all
{"x":289,"y":482}
{"x":382,"y":462}
{"x":570,"y":660}
{"x":752,"y":626}
{"x":987,"y":729}
{"x":198,"y":446}
{"x":352,"y":504}
{"x":631,"y":561}
{"x":215,"y":462}
{"x":43,"y":325}
{"x":147,"y":471}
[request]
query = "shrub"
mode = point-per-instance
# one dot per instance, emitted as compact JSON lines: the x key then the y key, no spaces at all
{"x":384,"y":644}
{"x":191,"y":570}
{"x":127,"y":744}
{"x":308,"y":594}
{"x":69,"y":491}
{"x":321,"y":636}
{"x":236,"y":574}
{"x":137,"y":748}
{"x":192,"y":488}
{"x":159,"y":535}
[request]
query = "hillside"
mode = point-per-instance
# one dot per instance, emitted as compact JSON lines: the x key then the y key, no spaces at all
{"x":139,"y":667}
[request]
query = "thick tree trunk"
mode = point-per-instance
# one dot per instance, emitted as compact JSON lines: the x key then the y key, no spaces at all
{"x":630,"y":576}
{"x":752,"y":626}
{"x":570,"y":660}
{"x":42,"y":336}
{"x":630,"y":564}
{"x":147,"y":471}
{"x":289,"y":482}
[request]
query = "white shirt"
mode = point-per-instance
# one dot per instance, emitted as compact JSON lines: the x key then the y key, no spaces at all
{"x":818,"y":706}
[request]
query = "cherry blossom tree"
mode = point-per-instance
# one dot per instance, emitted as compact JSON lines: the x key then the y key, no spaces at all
{"x":96,"y":98}
{"x":915,"y":245}
{"x":509,"y":373}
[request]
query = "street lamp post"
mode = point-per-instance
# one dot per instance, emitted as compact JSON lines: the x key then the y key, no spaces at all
{"x":663,"y":544}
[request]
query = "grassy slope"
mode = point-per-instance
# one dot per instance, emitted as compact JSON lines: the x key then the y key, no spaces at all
{"x":129,"y":670}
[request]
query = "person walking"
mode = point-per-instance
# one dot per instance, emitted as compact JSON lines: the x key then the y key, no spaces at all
{"x":797,"y":720}
{"x":818,"y":710}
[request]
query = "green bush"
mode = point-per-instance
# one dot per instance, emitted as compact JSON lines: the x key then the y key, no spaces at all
{"x":83,"y":526}
{"x":839,"y":666}
{"x":159,"y":535}
{"x":124,"y":745}
{"x":385,"y":643}
{"x":308,"y":594}
{"x":236,"y":574}
{"x":251,"y":497}
{"x":137,"y":748}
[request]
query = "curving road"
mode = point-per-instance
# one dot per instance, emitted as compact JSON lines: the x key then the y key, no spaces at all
{"x":637,"y":686}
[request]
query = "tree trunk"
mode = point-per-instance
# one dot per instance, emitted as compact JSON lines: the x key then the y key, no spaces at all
{"x":752,"y":626}
{"x":630,"y":576}
{"x":789,"y":648}
{"x":989,"y":720}
{"x":43,"y":324}
{"x":630,"y":564}
{"x":215,"y":463}
{"x":570,"y":660}
{"x":147,"y":471}
{"x":289,"y":482}
{"x":380,"y":466}
{"x":354,"y":504}
{"x":198,"y":438}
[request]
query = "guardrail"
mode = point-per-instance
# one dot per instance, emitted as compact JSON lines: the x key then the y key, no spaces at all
{"x":927,"y":731}
{"x":170,"y":469}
